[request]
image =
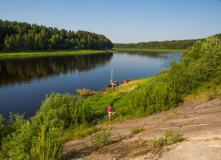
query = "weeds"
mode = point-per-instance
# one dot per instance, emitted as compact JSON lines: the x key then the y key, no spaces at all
{"x":99,"y":151}
{"x":170,"y":137}
{"x":121,"y":138}
{"x":211,"y":96}
{"x":137,"y":130}
{"x":85,"y":158}
{"x":173,"y":115}
{"x":85,"y":146}
{"x":102,"y":137}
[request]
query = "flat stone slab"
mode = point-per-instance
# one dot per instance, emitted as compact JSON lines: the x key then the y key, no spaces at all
{"x":197,"y":150}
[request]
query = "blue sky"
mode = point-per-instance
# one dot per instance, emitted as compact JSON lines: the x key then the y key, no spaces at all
{"x":122,"y":21}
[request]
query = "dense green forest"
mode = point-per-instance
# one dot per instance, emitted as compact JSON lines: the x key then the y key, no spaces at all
{"x":175,"y":44}
{"x":23,"y":36}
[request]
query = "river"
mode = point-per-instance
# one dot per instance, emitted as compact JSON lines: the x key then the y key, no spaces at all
{"x":24,"y":82}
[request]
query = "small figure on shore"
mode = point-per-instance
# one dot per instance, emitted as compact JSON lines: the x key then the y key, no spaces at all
{"x":109,"y":112}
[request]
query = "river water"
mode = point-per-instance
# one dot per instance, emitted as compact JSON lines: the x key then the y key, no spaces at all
{"x":24,"y":82}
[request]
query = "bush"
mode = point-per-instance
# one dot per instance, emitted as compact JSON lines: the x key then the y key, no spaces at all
{"x":48,"y":145}
{"x":2,"y":127}
{"x":62,"y":110}
{"x":28,"y":142}
{"x":19,"y":143}
{"x":102,"y":137}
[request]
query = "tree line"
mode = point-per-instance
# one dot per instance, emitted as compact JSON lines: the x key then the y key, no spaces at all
{"x":24,"y":36}
{"x":175,"y":44}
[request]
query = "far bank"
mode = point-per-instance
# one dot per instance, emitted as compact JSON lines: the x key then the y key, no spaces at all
{"x":49,"y":53}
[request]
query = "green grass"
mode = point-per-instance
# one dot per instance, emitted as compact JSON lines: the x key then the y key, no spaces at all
{"x":170,"y":137}
{"x":206,"y":91}
{"x":151,"y":50}
{"x":48,"y":53}
{"x":137,"y":130}
{"x":79,"y":132}
{"x":100,"y":102}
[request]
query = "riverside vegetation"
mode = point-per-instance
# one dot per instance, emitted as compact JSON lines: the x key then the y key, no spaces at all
{"x":64,"y":117}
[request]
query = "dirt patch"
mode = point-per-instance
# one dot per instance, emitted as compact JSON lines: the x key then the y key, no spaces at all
{"x":128,"y":89}
{"x":87,"y":92}
{"x":200,"y":122}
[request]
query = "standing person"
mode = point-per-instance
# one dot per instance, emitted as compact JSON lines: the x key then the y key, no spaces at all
{"x":109,"y":112}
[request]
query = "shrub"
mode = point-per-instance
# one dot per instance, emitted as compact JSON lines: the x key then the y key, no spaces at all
{"x":62,"y":109}
{"x":48,"y":145}
{"x":102,"y":137}
{"x":19,"y":143}
{"x":31,"y":143}
{"x":2,"y":127}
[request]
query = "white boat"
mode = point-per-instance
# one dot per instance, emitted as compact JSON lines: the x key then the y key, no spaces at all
{"x":112,"y":83}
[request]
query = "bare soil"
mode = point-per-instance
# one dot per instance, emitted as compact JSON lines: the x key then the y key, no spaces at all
{"x":200,"y":122}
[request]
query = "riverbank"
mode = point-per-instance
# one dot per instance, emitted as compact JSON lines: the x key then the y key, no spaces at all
{"x":201,"y":132}
{"x":156,"y":98}
{"x":49,"y":53}
{"x":151,"y":50}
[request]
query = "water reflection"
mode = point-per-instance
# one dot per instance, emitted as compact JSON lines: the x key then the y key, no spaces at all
{"x":19,"y":70}
{"x":149,"y":54}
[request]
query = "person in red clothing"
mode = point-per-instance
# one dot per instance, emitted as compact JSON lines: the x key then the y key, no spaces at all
{"x":109,"y":112}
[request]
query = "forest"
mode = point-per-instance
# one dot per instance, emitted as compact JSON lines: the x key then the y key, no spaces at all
{"x":175,"y":44}
{"x":17,"y":36}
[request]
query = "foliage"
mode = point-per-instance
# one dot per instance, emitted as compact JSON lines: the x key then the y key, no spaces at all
{"x":77,"y":132}
{"x":14,"y":123}
{"x":62,"y":109}
{"x":153,"y":50}
{"x":18,"y":144}
{"x":20,"y":36}
{"x":121,"y":138}
{"x":40,"y":138}
{"x":31,"y":143}
{"x":175,"y":44}
{"x":2,"y":127}
{"x":47,"y":146}
{"x":102,"y":137}
{"x":137,"y":130}
{"x":170,"y":137}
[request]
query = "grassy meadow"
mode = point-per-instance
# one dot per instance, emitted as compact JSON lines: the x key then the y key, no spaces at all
{"x":48,"y":53}
{"x":151,"y":50}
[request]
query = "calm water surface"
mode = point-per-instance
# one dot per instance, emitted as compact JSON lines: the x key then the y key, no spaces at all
{"x":24,"y":82}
